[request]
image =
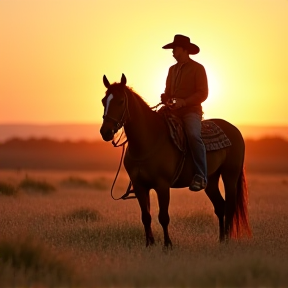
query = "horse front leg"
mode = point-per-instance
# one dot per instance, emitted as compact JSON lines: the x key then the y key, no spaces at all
{"x":143,"y":198}
{"x":164,"y":219}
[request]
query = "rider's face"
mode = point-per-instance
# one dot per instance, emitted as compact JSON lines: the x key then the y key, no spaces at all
{"x":178,"y":53}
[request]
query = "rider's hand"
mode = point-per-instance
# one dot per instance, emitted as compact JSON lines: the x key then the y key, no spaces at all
{"x":177,"y":103}
{"x":164,"y":98}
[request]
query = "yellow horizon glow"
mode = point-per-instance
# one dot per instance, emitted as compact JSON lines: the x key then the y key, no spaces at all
{"x":53,"y":56}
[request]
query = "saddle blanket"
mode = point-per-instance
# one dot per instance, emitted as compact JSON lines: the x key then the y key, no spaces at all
{"x":213,"y":136}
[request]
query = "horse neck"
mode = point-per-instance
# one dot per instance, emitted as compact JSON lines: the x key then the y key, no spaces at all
{"x":143,"y":127}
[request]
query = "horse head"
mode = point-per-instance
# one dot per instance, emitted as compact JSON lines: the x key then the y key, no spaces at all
{"x":115,"y":105}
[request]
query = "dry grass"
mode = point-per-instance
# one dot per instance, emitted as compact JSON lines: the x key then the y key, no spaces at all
{"x":74,"y":182}
{"x":29,"y":184}
{"x":29,"y":260}
{"x":83,"y":214}
{"x":8,"y":189}
{"x":81,"y":237}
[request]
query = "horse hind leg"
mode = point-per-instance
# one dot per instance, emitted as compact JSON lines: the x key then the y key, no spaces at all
{"x":213,"y":192}
{"x":144,"y":203}
{"x":230,"y":178}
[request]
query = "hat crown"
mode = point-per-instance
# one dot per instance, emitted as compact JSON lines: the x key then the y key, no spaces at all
{"x":181,"y":40}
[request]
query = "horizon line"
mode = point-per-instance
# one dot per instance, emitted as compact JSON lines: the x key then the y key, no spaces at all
{"x":99,"y":123}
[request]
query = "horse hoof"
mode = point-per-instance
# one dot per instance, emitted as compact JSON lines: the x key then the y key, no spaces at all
{"x":168,"y":246}
{"x":150,"y":242}
{"x":224,"y":241}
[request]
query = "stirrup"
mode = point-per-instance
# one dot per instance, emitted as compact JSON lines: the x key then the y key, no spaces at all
{"x":197,"y":184}
{"x":126,"y":195}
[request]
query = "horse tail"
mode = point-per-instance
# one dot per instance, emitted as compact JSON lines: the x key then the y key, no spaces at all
{"x":240,"y":226}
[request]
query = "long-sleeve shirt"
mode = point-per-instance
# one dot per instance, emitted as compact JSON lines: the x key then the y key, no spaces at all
{"x":188,"y":81}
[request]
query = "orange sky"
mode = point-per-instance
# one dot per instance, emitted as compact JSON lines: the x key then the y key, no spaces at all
{"x":53,"y":54}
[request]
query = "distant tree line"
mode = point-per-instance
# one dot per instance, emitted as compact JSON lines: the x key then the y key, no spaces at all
{"x":263,"y":155}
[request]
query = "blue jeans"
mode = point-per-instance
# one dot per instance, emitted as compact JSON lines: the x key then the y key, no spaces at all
{"x":192,"y":127}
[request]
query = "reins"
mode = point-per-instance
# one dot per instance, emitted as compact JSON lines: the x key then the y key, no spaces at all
{"x":156,"y":106}
{"x":128,"y":191}
{"x":116,"y":144}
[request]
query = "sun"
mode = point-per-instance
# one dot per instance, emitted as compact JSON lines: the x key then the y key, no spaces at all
{"x":213,"y":105}
{"x":214,"y":85}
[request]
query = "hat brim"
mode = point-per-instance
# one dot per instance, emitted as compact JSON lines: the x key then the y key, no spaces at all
{"x":192,"y":48}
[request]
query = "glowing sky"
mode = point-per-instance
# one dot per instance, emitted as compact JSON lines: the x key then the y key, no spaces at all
{"x":53,"y":54}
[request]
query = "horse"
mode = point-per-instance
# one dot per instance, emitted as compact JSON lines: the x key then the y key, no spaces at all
{"x":152,"y":160}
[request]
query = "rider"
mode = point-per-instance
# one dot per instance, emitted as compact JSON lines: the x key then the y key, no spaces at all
{"x":186,"y":88}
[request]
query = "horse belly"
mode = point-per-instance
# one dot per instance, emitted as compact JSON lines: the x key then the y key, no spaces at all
{"x":151,"y":172}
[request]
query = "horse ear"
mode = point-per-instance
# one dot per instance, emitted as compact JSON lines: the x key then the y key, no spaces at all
{"x":106,"y":82}
{"x":123,"y":79}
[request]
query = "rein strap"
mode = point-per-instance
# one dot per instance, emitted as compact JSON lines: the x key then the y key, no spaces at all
{"x":128,"y":191}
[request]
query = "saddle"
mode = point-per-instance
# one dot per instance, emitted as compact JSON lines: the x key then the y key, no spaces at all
{"x":212,"y":135}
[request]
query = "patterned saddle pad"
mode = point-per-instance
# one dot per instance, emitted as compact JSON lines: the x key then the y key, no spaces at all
{"x":212,"y":135}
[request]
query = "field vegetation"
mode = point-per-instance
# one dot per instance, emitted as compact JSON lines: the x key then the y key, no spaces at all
{"x":75,"y":235}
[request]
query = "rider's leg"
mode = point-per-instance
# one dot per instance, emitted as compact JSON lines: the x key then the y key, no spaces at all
{"x":192,"y":126}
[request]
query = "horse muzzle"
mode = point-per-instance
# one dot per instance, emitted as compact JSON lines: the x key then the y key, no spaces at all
{"x":107,"y":133}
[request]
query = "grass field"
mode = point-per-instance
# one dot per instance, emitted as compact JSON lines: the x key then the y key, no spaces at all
{"x":61,"y":229}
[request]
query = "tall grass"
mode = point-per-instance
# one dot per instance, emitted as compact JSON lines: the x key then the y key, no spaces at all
{"x":83,"y":214}
{"x":29,"y":184}
{"x":76,"y":182}
{"x":101,"y":242}
{"x":31,"y":262}
{"x":8,"y":189}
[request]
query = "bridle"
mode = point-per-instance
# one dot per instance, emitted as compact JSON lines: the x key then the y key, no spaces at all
{"x":123,"y":119}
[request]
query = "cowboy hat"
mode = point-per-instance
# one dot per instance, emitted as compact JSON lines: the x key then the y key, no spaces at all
{"x":184,"y":42}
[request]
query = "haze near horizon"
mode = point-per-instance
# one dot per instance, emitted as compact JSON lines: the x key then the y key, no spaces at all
{"x":90,"y":132}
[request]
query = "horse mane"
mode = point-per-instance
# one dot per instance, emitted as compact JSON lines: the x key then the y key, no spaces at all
{"x":142,"y":101}
{"x":131,"y":90}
